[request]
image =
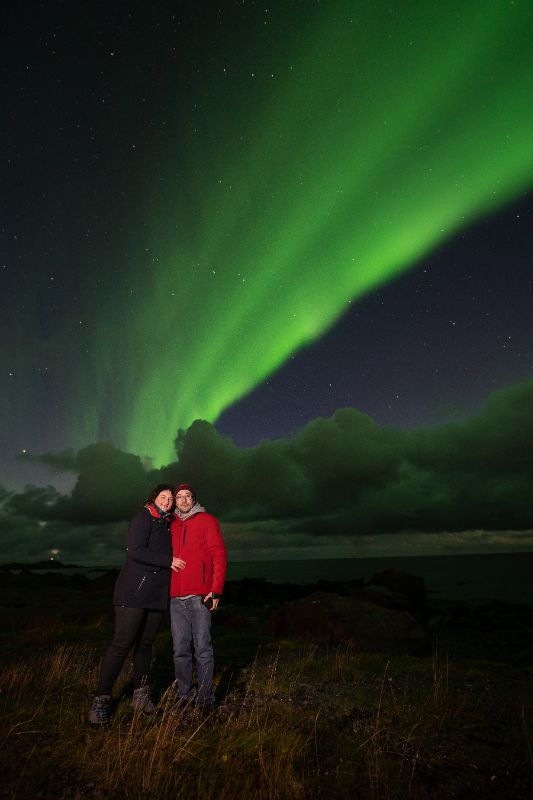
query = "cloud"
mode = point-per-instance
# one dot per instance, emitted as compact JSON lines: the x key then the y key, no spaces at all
{"x":110,"y":485}
{"x":338,"y":478}
{"x":23,"y":539}
{"x":348,"y":475}
{"x":328,"y":465}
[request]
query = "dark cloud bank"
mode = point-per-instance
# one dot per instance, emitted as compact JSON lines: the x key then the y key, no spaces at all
{"x":338,"y":478}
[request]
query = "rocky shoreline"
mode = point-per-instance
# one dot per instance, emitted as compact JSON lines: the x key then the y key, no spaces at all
{"x":391,"y":613}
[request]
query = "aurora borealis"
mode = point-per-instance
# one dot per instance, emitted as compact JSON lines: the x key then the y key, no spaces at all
{"x":208,"y":191}
{"x":362,"y":161}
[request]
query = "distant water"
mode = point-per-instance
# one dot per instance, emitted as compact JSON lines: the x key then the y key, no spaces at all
{"x":507,"y":577}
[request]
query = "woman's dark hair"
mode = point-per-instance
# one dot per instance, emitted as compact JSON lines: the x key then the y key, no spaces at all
{"x":161,"y":487}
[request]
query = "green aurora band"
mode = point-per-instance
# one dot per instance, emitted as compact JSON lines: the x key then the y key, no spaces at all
{"x":343,"y":148}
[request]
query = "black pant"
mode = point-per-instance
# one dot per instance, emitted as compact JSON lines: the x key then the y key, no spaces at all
{"x":133,"y":627}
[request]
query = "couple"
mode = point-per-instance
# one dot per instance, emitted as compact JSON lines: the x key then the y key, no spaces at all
{"x":179,"y":553}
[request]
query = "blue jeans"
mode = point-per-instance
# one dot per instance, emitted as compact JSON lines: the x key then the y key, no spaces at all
{"x":190,"y":622}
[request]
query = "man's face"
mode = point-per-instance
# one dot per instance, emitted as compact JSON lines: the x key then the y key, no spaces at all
{"x":184,"y":501}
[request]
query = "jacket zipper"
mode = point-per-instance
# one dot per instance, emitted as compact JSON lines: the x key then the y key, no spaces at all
{"x":139,"y":587}
{"x":184,"y":533}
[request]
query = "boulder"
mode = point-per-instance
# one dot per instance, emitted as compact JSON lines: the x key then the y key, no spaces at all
{"x":381,"y":596}
{"x":334,"y":618}
{"x":411,"y":587}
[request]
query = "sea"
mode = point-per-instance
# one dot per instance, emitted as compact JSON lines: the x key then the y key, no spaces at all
{"x":483,"y":577}
{"x":504,"y":577}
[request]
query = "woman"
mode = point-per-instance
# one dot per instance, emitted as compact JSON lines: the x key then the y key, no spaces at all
{"x":140,"y":600}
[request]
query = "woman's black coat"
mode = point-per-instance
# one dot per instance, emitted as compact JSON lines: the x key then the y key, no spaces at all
{"x":144,"y":579}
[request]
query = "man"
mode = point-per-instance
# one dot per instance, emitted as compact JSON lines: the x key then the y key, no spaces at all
{"x":195,"y":592}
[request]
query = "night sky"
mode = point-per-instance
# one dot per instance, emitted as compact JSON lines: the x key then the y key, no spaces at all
{"x":256,"y":214}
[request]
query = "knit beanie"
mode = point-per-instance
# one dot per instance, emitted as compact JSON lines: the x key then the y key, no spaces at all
{"x":184,"y":487}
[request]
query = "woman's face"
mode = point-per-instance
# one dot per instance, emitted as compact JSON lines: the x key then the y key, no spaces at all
{"x":164,"y":500}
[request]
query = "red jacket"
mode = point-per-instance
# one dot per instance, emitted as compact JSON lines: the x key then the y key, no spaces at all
{"x":199,"y":543}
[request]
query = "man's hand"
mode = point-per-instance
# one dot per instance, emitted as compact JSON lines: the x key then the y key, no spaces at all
{"x":216,"y":600}
{"x":177,"y":564}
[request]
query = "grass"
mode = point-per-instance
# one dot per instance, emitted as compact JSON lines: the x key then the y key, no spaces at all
{"x":294,"y":721}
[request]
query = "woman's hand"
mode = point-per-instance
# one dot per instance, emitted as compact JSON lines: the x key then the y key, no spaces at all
{"x":177,"y":564}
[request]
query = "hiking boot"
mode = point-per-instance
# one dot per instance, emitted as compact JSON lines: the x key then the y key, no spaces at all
{"x":203,"y":710}
{"x":141,"y":701}
{"x":182,"y":706}
{"x":177,"y":708}
{"x":99,"y":713}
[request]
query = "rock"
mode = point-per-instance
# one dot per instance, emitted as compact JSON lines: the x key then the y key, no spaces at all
{"x":335,"y":618}
{"x":237,"y":621}
{"x":401,"y":583}
{"x":381,"y":596}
